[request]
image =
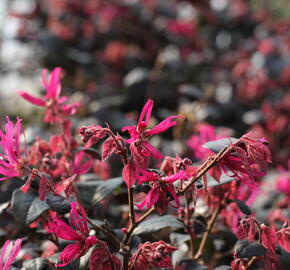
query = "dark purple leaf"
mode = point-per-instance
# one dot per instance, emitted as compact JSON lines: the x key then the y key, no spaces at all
{"x":27,"y":206}
{"x":94,"y":191}
{"x":243,"y":207}
{"x":58,"y":204}
{"x":244,"y":249}
{"x":157,"y":223}
{"x":218,"y":145}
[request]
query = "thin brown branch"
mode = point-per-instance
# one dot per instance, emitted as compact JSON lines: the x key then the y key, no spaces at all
{"x":127,"y":237}
{"x":125,"y":160}
{"x":113,"y":239}
{"x":131,"y":205}
{"x":188,"y":223}
{"x":207,"y":165}
{"x":250,"y":263}
{"x":209,"y":228}
{"x":125,"y":250}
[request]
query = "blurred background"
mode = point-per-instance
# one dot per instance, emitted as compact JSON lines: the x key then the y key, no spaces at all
{"x":221,"y":62}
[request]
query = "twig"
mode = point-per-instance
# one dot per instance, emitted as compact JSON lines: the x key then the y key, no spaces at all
{"x":115,"y":241}
{"x":207,"y":165}
{"x":131,"y":205}
{"x":188,"y":223}
{"x":250,"y":263}
{"x":127,"y":238}
{"x":209,"y":228}
{"x":124,"y":155}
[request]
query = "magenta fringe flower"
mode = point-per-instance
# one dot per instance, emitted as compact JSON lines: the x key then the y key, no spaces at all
{"x":11,"y":162}
{"x":8,"y":253}
{"x":141,"y":149}
{"x":54,"y":103}
{"x":83,"y":241}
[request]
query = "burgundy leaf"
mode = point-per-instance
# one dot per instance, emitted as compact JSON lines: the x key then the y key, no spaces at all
{"x":269,"y":238}
{"x":284,"y":237}
{"x":216,"y":173}
{"x":108,"y":148}
{"x":128,"y":174}
{"x":102,"y":259}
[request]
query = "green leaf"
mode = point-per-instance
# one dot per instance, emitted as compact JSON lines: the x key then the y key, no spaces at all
{"x":157,"y":223}
{"x":94,"y":191}
{"x":27,"y":207}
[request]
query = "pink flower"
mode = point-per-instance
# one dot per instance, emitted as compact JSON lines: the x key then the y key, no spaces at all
{"x":83,"y":241}
{"x":162,"y":187}
{"x":205,"y":133}
{"x":11,"y":162}
{"x":139,"y":146}
{"x":54,"y":103}
{"x":8,"y":254}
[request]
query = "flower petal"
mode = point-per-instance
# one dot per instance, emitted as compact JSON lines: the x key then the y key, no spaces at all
{"x":63,"y":230}
{"x":145,"y":115}
{"x":31,"y":99}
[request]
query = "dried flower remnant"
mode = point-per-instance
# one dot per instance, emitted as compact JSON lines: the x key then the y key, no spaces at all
{"x":92,"y":134}
{"x":150,"y":255}
{"x":102,"y":259}
{"x":83,"y":241}
{"x":56,"y":109}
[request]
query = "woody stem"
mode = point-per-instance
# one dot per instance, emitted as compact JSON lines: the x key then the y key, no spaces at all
{"x":209,"y":228}
{"x":207,"y":165}
{"x":131,"y":205}
{"x":127,"y":238}
{"x":188,"y":222}
{"x":124,"y":156}
{"x":250,"y":263}
{"x":114,"y":241}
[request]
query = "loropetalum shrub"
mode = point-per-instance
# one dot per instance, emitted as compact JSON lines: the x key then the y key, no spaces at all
{"x":164,"y":193}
